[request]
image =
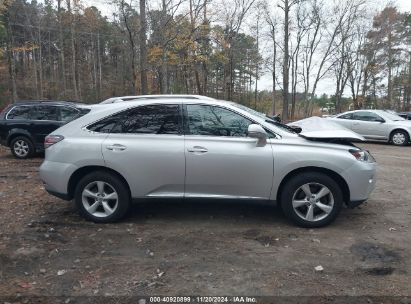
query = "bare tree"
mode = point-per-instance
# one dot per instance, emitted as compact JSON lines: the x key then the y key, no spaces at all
{"x":143,"y":47}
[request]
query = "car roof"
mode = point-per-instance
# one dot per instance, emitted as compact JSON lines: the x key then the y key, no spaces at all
{"x":362,"y":110}
{"x":163,"y":100}
{"x":50,"y":102}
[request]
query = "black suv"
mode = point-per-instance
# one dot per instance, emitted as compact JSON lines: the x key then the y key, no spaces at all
{"x":25,"y":124}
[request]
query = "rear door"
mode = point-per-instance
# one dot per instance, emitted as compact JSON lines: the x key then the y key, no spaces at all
{"x":146,"y":146}
{"x":346,"y":120}
{"x":221,"y":161}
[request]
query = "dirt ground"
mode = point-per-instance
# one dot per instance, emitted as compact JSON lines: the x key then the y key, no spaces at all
{"x":203,"y":248}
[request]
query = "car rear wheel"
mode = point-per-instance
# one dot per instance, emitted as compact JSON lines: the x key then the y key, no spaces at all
{"x":102,"y":197}
{"x":22,"y":147}
{"x":400,"y":138}
{"x":311,"y":199}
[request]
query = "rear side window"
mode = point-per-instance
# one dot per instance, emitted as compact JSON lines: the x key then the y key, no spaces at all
{"x":21,"y":112}
{"x":345,"y":116}
{"x":151,"y":119}
{"x":44,"y":112}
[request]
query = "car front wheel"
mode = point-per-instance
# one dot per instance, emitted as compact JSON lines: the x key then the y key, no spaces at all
{"x":400,"y":138}
{"x":311,"y":199}
{"x":102,"y":197}
{"x":22,"y":147}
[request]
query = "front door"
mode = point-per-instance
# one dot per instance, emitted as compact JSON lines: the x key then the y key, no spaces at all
{"x":147,"y":146}
{"x":369,"y":125}
{"x":221,"y":161}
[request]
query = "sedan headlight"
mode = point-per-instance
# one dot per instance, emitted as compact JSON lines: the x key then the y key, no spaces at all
{"x":362,"y":155}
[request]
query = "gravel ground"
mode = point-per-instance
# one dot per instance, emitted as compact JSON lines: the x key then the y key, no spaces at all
{"x":203,"y":248}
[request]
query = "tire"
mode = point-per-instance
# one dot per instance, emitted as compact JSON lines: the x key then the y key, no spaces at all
{"x":399,"y":138}
{"x":102,"y":197}
{"x":22,"y":147}
{"x":307,"y":213}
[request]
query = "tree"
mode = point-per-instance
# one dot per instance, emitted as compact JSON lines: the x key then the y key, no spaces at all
{"x":143,"y":47}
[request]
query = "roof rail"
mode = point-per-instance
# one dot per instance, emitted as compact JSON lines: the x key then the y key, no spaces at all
{"x":166,"y":96}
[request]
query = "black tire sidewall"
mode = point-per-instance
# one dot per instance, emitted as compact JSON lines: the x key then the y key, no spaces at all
{"x":310,"y":177}
{"x":29,"y":143}
{"x":407,"y":138}
{"x":121,"y":189}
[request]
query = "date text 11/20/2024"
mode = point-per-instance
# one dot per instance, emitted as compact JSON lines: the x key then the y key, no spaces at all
{"x":197,"y":299}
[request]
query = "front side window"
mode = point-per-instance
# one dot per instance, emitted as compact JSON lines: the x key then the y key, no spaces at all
{"x":45,"y":112}
{"x":215,"y":121}
{"x":150,"y":119}
{"x":22,"y":112}
{"x":366,"y":116}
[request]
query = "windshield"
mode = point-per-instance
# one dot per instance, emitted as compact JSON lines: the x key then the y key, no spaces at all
{"x":393,"y":117}
{"x":265,"y":117}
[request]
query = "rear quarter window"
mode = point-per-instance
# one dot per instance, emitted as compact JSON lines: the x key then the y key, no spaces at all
{"x":345,"y":116}
{"x":19,"y":112}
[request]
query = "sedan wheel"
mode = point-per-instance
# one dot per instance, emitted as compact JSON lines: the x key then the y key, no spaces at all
{"x":311,"y":199}
{"x":102,"y":197}
{"x":400,"y":138}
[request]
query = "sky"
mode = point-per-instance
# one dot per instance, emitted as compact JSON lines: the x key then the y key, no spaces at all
{"x":325,"y":85}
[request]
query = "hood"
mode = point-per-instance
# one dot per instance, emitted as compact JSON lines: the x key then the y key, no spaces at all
{"x":322,"y":128}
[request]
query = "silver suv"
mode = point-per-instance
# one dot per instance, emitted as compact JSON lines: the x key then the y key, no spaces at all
{"x":198,"y":147}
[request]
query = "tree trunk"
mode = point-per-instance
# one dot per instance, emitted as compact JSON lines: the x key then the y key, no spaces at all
{"x":285,"y":62}
{"x":12,"y":64}
{"x":73,"y":51}
{"x":61,"y":46}
{"x":40,"y":63}
{"x":143,"y":48}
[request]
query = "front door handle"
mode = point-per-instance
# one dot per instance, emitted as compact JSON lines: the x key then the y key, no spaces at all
{"x":197,"y":149}
{"x":116,"y":147}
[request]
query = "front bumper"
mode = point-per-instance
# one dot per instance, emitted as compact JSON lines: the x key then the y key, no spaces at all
{"x":361,"y":180}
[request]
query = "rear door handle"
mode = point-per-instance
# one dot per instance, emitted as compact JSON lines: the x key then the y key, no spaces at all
{"x":116,"y":147}
{"x":197,"y":149}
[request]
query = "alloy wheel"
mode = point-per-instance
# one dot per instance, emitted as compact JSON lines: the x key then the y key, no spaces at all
{"x":313,"y":202}
{"x":21,"y":148}
{"x":100,"y":199}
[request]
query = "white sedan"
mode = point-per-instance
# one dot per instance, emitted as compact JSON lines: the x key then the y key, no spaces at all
{"x":376,"y":125}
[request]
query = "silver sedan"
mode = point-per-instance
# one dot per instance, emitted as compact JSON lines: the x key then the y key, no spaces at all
{"x":377,"y":125}
{"x":195,"y":147}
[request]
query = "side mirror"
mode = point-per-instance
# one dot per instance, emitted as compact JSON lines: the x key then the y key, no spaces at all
{"x":276,"y":118}
{"x":296,"y":129}
{"x":257,"y":131}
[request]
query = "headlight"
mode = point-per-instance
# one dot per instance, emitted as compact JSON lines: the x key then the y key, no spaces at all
{"x":362,"y":155}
